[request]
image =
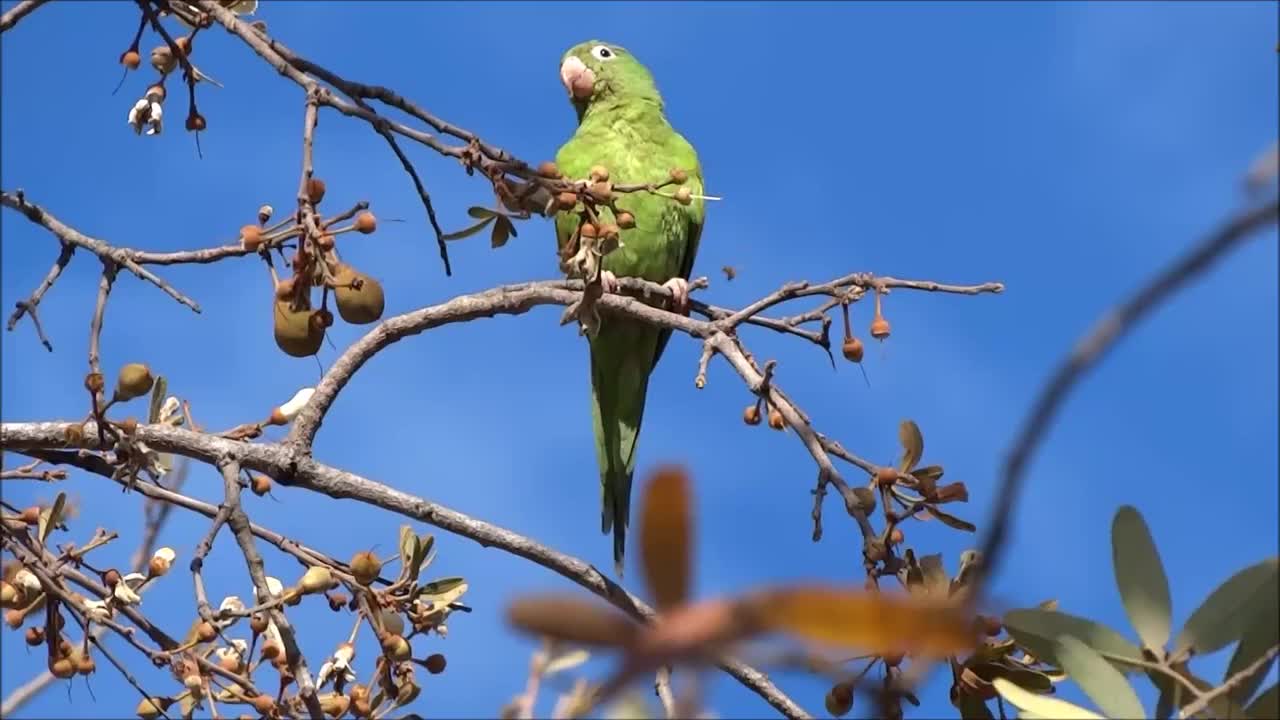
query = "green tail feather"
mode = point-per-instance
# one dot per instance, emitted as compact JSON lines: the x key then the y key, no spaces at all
{"x":622,"y":357}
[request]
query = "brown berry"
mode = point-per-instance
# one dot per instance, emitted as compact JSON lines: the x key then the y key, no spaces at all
{"x":839,"y":700}
{"x":62,"y":668}
{"x":548,"y":170}
{"x":599,"y":173}
{"x":436,"y":664}
{"x":886,"y":476}
{"x":258,"y":623}
{"x":133,"y":381}
{"x":129,"y":425}
{"x":626,"y":220}
{"x":270,"y":650}
{"x":776,"y":421}
{"x":263,"y":704}
{"x":230,"y":662}
{"x":567,"y":200}
{"x":326,"y":242}
{"x":35,"y":635}
{"x":94,"y":382}
{"x":14,"y":618}
{"x":365,"y":567}
{"x":896,"y":537}
{"x":879,"y":328}
{"x":679,"y":176}
{"x":111,"y":578}
{"x":684,"y":196}
{"x":601,"y":192}
{"x":366,"y":222}
{"x":852,"y":349}
{"x":131,"y":59}
{"x":315,"y":190}
{"x":610,"y":231}
{"x":336,"y":601}
{"x":588,"y":230}
{"x":196,"y":122}
{"x":261,"y":485}
{"x":751,"y":415}
{"x":184,"y":44}
{"x":206,"y":632}
{"x":85,"y":665}
{"x":31,"y":515}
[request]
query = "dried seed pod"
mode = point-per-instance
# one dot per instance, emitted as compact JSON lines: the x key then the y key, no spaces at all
{"x":261,"y":485}
{"x":678,"y":176}
{"x":879,"y":328}
{"x":94,"y":382}
{"x":258,"y":623}
{"x":315,"y":190}
{"x":436,"y":663}
{"x":62,"y":668}
{"x":839,"y":700}
{"x":776,"y":421}
{"x":133,"y":381}
{"x":316,"y":579}
{"x":156,"y":93}
{"x":366,"y":222}
{"x":294,"y":333}
{"x":184,"y":44}
{"x":626,"y":220}
{"x":588,"y":230}
{"x":206,"y":632}
{"x":360,"y":298}
{"x":196,"y":122}
{"x":601,"y":192}
{"x":886,"y":476}
{"x":131,"y":59}
{"x":852,"y":349}
{"x":751,"y":415}
{"x":251,"y":237}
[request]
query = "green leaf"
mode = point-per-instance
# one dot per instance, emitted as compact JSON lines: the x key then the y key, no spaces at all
{"x":468,"y":231}
{"x":1261,"y":634}
{"x":950,"y":520}
{"x":1140,"y":577}
{"x":480,"y":213}
{"x":51,"y":517}
{"x":1037,"y":631}
{"x":1030,"y":704}
{"x":912,"y":445}
{"x":1220,"y":620}
{"x":426,"y":553}
{"x":1099,"y":679}
{"x":157,"y":399}
{"x":502,"y":230}
{"x":408,"y":549}
{"x":931,"y":472}
{"x":1266,"y":705}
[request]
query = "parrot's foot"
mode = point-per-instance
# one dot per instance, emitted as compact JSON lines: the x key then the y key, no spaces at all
{"x":679,"y":288}
{"x":608,"y":281}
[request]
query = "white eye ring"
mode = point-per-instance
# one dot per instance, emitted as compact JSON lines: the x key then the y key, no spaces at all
{"x":602,"y":52}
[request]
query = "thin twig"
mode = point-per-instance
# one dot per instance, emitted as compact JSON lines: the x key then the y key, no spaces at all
{"x":1199,"y":704}
{"x":19,"y":11}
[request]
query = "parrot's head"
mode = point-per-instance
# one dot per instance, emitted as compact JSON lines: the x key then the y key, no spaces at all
{"x":596,"y":72}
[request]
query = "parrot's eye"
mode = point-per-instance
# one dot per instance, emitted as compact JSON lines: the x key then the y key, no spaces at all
{"x":602,"y":52}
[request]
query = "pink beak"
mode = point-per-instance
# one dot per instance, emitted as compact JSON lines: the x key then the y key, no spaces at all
{"x":577,"y":78}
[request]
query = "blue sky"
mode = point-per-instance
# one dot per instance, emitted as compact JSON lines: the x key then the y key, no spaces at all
{"x":1064,"y":149}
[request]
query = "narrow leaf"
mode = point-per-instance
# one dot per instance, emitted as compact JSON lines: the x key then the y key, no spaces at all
{"x":426,"y":553}
{"x":875,"y":623}
{"x":480,"y":213}
{"x":666,"y":537}
{"x":1261,"y":634}
{"x":571,"y":619}
{"x":932,"y":472}
{"x":51,"y":517}
{"x":1144,"y":588}
{"x":1030,"y":704}
{"x":912,"y":445}
{"x":408,"y":549}
{"x":566,"y":661}
{"x":501,"y":232}
{"x":468,"y":231}
{"x":1099,"y":679}
{"x":157,"y":399}
{"x":1266,"y":705}
{"x":1220,"y":619}
{"x":950,"y":520}
{"x":1037,"y":632}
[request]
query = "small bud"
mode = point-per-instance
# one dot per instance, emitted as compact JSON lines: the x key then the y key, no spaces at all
{"x":601,"y":192}
{"x":111,"y":578}
{"x":258,"y":623}
{"x":588,"y":230}
{"x":206,"y":632}
{"x":366,"y":222}
{"x":896,"y":537}
{"x":260,"y":485}
{"x":852,"y":349}
{"x":316,"y":579}
{"x":548,"y":170}
{"x":270,"y":650}
{"x":886,"y":476}
{"x":94,"y":382}
{"x":337,"y":601}
{"x":35,"y":635}
{"x":776,"y":421}
{"x":9,"y":595}
{"x":365,"y":567}
{"x":879,"y":328}
{"x":435,"y":664}
{"x":751,"y":415}
{"x":567,"y":200}
{"x":251,"y":237}
{"x":62,"y":668}
{"x":161,"y":561}
{"x":196,"y":122}
{"x":315,"y":190}
{"x":599,"y":173}
{"x":263,"y":704}
{"x":839,"y":700}
{"x":162,"y":59}
{"x":684,"y":196}
{"x":85,"y":665}
{"x":133,"y":381}
{"x":679,"y":176}
{"x":31,"y":515}
{"x":626,"y":220}
{"x":129,"y":425}
{"x":184,"y":44}
{"x":396,"y":647}
{"x":131,"y":59}
{"x":14,"y":618}
{"x":264,"y":214}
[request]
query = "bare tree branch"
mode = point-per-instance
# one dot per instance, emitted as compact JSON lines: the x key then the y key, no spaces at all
{"x":19,"y":11}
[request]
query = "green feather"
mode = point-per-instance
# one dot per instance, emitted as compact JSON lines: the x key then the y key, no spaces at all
{"x":622,"y":126}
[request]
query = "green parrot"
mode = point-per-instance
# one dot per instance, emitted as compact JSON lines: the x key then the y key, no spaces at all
{"x":622,"y":127}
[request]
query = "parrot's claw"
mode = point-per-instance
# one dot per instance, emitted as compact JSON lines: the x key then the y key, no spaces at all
{"x":679,"y":288}
{"x":608,"y":281}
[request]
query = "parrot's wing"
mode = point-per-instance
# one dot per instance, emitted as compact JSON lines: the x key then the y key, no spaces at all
{"x":686,"y":158}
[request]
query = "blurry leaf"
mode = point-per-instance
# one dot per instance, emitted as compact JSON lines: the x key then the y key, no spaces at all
{"x":912,"y":445}
{"x":1266,"y":705}
{"x":157,"y":399}
{"x":1260,"y":635}
{"x":1220,"y":619}
{"x":1099,"y":679}
{"x":1037,"y":632}
{"x":469,"y":230}
{"x":952,"y":492}
{"x":1170,"y":693}
{"x":972,"y":706}
{"x":1140,"y":577}
{"x":1030,"y":704}
{"x":666,"y":537}
{"x":875,"y":623}
{"x":866,"y":499}
{"x":426,"y":553}
{"x":566,"y":661}
{"x":950,"y":520}
{"x":571,"y":619}
{"x":1048,"y":605}
{"x":503,"y":228}
{"x":165,"y":460}
{"x":408,"y":549}
{"x":481,"y":213}
{"x":934,"y":575}
{"x":932,"y":472}
{"x":443,"y":591}
{"x":1032,"y":680}
{"x":51,"y":517}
